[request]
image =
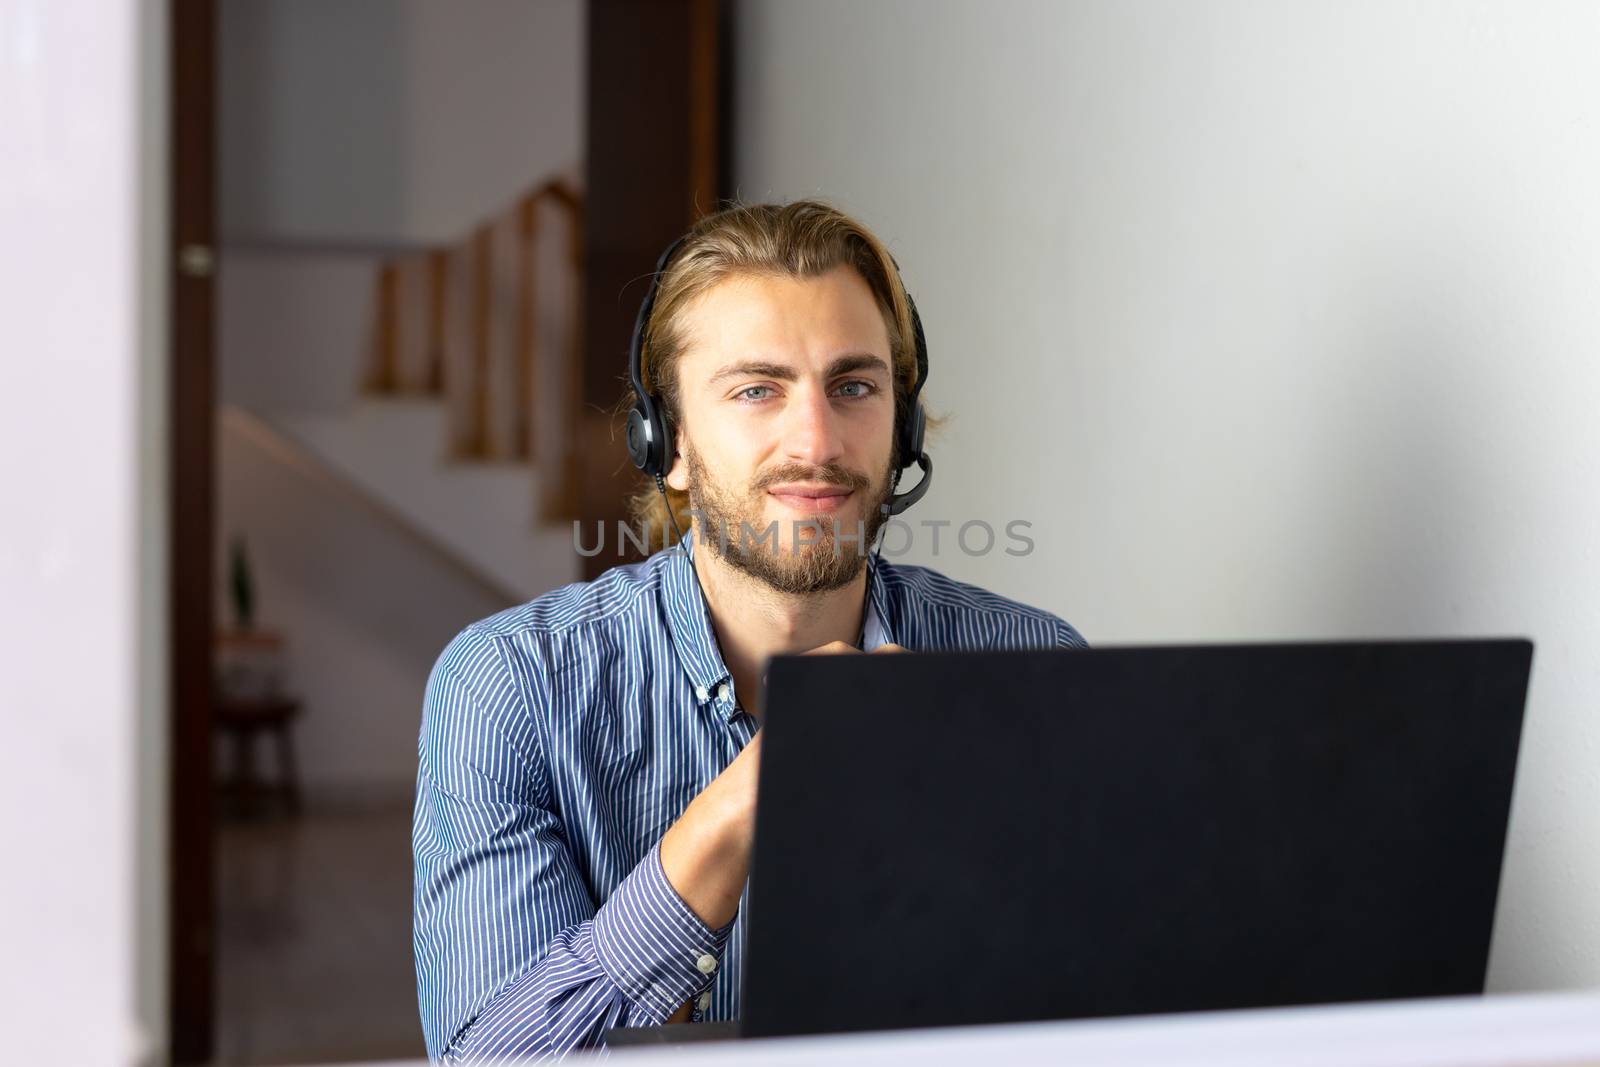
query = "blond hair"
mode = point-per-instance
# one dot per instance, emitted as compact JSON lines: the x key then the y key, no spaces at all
{"x":803,"y":239}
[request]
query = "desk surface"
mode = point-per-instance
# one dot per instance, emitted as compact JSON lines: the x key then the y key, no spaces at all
{"x":1520,"y":1030}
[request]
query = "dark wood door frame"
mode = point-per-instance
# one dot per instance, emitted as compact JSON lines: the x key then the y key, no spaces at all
{"x":191,"y":919}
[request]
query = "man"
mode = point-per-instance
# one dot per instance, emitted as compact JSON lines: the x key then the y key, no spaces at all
{"x":587,"y":778}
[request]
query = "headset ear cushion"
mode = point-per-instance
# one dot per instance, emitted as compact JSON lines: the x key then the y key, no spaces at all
{"x":912,"y":442}
{"x":638,"y":437}
{"x":649,"y":437}
{"x":664,"y":442}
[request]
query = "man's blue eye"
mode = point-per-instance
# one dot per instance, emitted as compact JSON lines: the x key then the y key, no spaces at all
{"x":864,"y":389}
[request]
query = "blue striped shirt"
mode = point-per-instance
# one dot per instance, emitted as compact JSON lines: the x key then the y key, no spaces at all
{"x":559,"y":741}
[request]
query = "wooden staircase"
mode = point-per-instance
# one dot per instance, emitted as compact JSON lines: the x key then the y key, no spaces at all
{"x":490,"y":327}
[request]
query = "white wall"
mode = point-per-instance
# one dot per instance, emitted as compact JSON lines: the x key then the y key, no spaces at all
{"x":392,"y":120}
{"x":1276,"y":319}
{"x":82,"y":545}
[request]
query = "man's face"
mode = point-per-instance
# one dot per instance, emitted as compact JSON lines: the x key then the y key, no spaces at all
{"x":787,"y":418}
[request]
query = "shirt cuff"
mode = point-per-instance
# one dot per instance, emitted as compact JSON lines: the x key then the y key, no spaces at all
{"x":652,"y":944}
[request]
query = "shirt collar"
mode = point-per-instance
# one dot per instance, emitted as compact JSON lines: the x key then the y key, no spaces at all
{"x":696,"y":643}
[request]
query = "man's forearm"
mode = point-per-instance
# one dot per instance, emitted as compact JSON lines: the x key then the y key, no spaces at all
{"x":706,"y":857}
{"x":706,"y":853}
{"x":641,"y":959}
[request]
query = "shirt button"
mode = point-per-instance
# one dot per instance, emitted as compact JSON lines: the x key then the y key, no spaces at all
{"x":706,"y":964}
{"x":702,"y":692}
{"x":722,"y":691}
{"x":703,"y":1001}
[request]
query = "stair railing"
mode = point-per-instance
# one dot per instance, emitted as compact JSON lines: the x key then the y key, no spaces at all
{"x":468,"y":325}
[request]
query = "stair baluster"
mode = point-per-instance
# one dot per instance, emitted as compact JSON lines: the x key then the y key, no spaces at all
{"x":384,"y":376}
{"x":527,"y":326}
{"x":438,"y":287}
{"x":478,"y":439}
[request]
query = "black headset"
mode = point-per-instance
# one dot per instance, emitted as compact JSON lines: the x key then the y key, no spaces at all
{"x":650,"y":431}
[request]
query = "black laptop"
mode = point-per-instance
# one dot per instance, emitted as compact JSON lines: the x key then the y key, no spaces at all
{"x":962,"y":838}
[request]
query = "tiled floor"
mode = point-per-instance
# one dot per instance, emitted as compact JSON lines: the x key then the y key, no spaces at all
{"x":314,"y":957}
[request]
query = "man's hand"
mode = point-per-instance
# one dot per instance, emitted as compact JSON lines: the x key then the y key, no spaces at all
{"x":706,"y":853}
{"x":835,"y":648}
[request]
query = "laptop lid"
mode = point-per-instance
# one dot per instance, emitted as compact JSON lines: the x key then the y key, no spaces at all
{"x":961,"y":838}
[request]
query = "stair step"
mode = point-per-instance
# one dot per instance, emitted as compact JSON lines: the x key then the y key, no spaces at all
{"x":486,"y":511}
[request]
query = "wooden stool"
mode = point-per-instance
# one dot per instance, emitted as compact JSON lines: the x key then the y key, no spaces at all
{"x":241,"y":720}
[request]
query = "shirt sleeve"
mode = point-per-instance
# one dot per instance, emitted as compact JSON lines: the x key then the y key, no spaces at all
{"x":513,"y":957}
{"x":1067,"y":636}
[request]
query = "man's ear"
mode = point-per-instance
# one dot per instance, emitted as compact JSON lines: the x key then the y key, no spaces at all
{"x":678,"y":474}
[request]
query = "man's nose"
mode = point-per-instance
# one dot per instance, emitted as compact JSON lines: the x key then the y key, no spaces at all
{"x":812,"y":428}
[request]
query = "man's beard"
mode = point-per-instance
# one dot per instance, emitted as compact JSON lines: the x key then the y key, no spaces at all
{"x":733,"y":528}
